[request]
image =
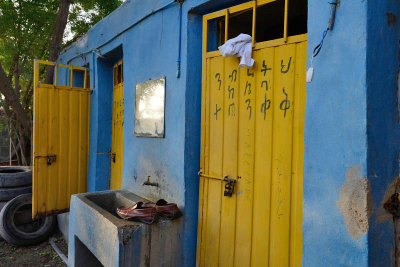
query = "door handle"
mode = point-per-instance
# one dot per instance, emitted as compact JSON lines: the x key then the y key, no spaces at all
{"x":50,"y":158}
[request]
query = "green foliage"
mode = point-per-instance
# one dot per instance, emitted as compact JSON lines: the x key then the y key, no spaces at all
{"x":26,"y":26}
{"x":26,"y":29}
{"x":86,"y":13}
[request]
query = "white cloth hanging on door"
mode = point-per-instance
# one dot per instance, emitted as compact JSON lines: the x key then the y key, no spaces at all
{"x":240,"y":46}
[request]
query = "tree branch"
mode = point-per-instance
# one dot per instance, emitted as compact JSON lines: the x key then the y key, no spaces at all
{"x":58,"y":34}
{"x":26,"y":99}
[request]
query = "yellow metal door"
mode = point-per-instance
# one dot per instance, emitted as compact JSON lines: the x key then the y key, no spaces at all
{"x":60,"y":140}
{"x":117,"y":139}
{"x":252,"y":132}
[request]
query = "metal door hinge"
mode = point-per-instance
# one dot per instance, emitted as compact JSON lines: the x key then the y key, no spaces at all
{"x":50,"y":158}
{"x":112,"y":155}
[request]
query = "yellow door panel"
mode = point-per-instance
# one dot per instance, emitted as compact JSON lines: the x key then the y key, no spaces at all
{"x":60,"y":142}
{"x":228,"y":207}
{"x":214,"y":166}
{"x":117,"y":138}
{"x":299,"y":103}
{"x":252,"y":132}
{"x":244,"y":202}
{"x":282,"y":156}
{"x":263,"y":155}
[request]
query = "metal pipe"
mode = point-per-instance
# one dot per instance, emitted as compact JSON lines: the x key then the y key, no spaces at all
{"x":334,"y":4}
{"x":178,"y":71}
{"x":93,"y":70}
{"x":59,"y":252}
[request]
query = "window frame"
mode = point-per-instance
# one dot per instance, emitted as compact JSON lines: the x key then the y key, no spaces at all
{"x":71,"y":69}
{"x":256,"y":45}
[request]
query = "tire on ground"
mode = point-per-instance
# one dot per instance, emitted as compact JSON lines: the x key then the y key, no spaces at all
{"x":27,"y":233}
{"x":2,"y":204}
{"x":12,"y":192}
{"x":15,"y":176}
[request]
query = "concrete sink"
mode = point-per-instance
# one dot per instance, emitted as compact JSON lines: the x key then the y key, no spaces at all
{"x":111,"y":200}
{"x":97,"y":236}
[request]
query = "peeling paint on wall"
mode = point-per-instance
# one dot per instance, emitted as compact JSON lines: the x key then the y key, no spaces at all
{"x":355,"y":202}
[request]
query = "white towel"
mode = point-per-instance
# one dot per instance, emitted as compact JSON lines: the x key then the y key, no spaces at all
{"x":239,"y":46}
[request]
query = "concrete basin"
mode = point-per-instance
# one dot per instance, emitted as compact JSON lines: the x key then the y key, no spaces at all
{"x":97,"y":236}
{"x":111,"y":200}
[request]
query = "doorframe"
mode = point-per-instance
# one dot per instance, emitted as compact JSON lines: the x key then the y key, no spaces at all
{"x":101,"y":118}
{"x":115,"y":76}
{"x":285,"y":40}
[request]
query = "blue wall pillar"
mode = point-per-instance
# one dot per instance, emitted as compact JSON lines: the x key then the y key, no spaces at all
{"x":383,"y":122}
{"x":351,"y":135}
{"x":336,"y":138}
{"x":192,"y":134}
{"x":100,"y":126}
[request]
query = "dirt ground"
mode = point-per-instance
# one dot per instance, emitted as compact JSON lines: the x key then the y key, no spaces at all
{"x":42,"y":254}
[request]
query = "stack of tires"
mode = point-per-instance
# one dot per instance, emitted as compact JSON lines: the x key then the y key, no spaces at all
{"x":16,"y":224}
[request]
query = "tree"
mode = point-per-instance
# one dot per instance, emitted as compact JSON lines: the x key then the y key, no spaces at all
{"x":32,"y":29}
{"x":58,"y":33}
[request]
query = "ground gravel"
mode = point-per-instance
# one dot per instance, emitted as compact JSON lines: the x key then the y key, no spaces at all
{"x":42,"y":254}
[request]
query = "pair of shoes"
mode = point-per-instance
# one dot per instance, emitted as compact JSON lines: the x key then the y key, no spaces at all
{"x":149,"y":212}
{"x":167,"y":210}
{"x":138,"y":213}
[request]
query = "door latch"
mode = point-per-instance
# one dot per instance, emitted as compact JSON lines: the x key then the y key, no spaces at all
{"x":229,"y":186}
{"x":50,"y":158}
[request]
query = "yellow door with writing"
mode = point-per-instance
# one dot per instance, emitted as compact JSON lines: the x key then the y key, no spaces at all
{"x":117,"y":137}
{"x":60,"y":138}
{"x":250,"y":206}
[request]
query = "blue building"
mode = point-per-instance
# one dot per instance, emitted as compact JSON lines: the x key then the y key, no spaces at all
{"x":279,"y":172}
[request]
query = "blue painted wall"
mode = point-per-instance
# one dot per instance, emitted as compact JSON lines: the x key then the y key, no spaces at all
{"x":335,"y":132}
{"x":351,"y":115}
{"x":351,"y":121}
{"x":149,"y":50}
